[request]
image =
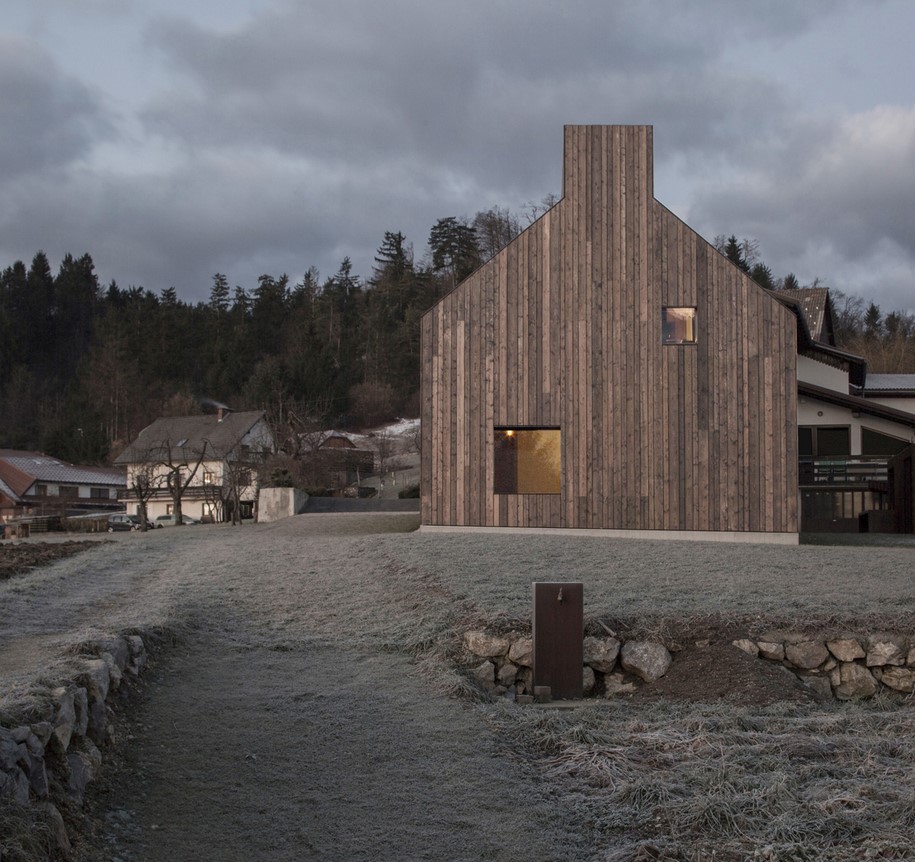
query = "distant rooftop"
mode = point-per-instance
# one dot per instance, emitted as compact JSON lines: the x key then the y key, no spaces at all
{"x":889,"y":383}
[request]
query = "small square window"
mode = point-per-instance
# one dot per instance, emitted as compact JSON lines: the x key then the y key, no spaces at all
{"x":527,"y":461}
{"x":678,"y":325}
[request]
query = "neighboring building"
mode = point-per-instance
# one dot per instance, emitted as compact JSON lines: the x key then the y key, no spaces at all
{"x":218,"y":455}
{"x":851,"y":424}
{"x":335,"y":461}
{"x":609,"y":369}
{"x":35,"y":484}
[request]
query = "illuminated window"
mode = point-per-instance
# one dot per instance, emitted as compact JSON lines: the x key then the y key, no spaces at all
{"x":678,"y":325}
{"x":527,"y":461}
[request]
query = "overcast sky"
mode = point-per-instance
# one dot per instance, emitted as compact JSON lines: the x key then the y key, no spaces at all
{"x":172,"y":139}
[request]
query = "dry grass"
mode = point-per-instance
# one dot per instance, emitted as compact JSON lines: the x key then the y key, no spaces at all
{"x":631,"y":780}
{"x":719,"y":782}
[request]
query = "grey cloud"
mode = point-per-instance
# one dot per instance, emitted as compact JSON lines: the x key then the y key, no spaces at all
{"x":48,"y":118}
{"x":838,"y":198}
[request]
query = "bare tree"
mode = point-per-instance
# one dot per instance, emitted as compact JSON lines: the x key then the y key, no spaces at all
{"x":178,"y":475}
{"x":143,"y":484}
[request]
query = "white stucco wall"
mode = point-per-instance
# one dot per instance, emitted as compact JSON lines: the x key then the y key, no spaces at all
{"x":810,"y":411}
{"x":819,"y":374}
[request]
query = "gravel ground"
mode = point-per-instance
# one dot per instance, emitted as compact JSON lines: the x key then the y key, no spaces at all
{"x":292,"y":721}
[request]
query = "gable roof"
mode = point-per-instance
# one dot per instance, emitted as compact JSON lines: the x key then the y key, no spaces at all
{"x":816,"y":306}
{"x":820,"y":350}
{"x":186,"y":438}
{"x":19,"y":470}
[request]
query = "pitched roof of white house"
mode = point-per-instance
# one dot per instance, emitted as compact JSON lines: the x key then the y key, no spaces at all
{"x":186,"y":438}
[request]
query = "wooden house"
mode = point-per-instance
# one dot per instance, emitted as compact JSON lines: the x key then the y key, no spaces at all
{"x":610,"y":370}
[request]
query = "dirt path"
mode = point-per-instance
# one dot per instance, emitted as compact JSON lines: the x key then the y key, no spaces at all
{"x":278,"y":730}
{"x":292,"y":723}
{"x":313,"y":753}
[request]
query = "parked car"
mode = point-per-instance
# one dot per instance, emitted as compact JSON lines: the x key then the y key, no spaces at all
{"x":120,"y":522}
{"x":170,"y":520}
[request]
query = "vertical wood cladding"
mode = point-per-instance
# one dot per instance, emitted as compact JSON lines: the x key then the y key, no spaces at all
{"x":562,"y":329}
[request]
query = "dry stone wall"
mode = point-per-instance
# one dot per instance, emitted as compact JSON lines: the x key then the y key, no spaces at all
{"x":847,"y":666}
{"x":50,"y":761}
{"x":502,"y":664}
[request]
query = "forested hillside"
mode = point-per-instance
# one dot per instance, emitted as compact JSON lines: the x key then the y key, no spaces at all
{"x":84,"y":367}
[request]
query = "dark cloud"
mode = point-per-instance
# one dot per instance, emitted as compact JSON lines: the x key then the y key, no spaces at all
{"x":301,"y":135}
{"x":48,"y":118}
{"x":836,"y":197}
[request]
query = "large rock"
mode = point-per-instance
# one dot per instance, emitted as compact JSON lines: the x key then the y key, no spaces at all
{"x":15,"y":785}
{"x":81,"y":706}
{"x":899,"y":678}
{"x":64,"y":719}
{"x":485,"y":675}
{"x":97,"y":678}
{"x":12,"y":754}
{"x":747,"y":646}
{"x":114,"y":671}
{"x":97,"y":730}
{"x":601,"y":653}
{"x":38,"y":776}
{"x":506,"y":674}
{"x":647,"y":660}
{"x":486,"y":645}
{"x":846,"y":649}
{"x":81,"y":773}
{"x":521,"y":652}
{"x":117,"y":648}
{"x":807,"y":654}
{"x":771,"y":650}
{"x":855,"y":681}
{"x":886,"y":649}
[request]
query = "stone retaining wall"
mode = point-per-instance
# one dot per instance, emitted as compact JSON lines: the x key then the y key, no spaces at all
{"x":846,"y":666}
{"x":51,"y":760}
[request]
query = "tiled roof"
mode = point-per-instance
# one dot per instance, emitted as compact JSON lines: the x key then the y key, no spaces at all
{"x":889,"y":382}
{"x":20,"y":470}
{"x":185,"y":438}
{"x":8,"y":492}
{"x":814,"y":302}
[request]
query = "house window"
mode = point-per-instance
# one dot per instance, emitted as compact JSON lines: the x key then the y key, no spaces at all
{"x":41,"y":490}
{"x":823,"y":442}
{"x":209,"y":477}
{"x":882,"y":445}
{"x":98,"y":493}
{"x":69,"y":492}
{"x":678,"y":325}
{"x":527,"y":460}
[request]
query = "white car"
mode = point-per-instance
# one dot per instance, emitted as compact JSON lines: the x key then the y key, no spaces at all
{"x":170,"y":520}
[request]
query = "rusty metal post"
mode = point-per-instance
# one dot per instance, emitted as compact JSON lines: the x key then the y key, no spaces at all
{"x":558,"y":629}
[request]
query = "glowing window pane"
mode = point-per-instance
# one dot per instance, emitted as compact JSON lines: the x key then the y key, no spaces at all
{"x":527,"y":461}
{"x":678,"y":325}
